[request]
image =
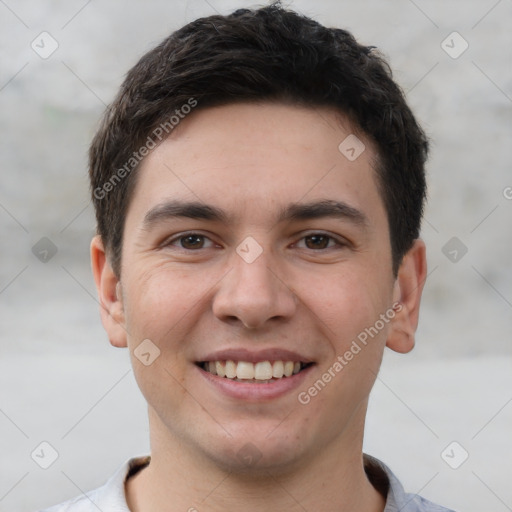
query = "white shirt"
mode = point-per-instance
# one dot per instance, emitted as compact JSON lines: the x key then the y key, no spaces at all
{"x":111,"y":497}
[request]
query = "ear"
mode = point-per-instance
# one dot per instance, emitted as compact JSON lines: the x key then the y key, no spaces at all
{"x":109,"y":293}
{"x":407,"y":296}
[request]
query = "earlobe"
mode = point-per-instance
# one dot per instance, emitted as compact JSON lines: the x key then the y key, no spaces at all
{"x":407,"y":293}
{"x":109,"y":293}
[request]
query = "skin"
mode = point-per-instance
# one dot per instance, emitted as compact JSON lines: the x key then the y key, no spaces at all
{"x":252,"y":161}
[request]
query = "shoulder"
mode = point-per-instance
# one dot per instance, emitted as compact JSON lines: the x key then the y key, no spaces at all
{"x":415,"y":503}
{"x":108,"y":498}
{"x":78,"y":504}
{"x":384,"y":480}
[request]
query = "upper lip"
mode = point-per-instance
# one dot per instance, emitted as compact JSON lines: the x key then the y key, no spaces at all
{"x":255,"y":356}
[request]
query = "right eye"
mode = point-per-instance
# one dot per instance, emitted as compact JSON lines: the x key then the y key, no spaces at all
{"x":189,"y":241}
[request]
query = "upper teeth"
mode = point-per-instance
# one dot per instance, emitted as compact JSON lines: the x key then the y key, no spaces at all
{"x":263,"y":370}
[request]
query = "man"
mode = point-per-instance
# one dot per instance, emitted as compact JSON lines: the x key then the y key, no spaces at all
{"x":259,"y":185}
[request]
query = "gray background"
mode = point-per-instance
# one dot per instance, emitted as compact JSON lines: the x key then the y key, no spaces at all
{"x":61,"y":382}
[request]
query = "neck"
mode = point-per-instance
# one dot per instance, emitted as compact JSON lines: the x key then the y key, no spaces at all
{"x":332,"y":479}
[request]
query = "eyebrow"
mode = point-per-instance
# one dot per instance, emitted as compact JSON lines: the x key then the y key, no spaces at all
{"x":323,"y":208}
{"x":189,"y":209}
{"x":292,"y":212}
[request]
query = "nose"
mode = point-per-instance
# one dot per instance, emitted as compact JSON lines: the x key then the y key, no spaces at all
{"x":254,"y":294}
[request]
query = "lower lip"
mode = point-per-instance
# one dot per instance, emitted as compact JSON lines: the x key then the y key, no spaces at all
{"x":255,"y":391}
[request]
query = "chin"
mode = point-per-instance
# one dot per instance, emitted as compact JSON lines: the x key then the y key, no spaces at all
{"x":256,"y":455}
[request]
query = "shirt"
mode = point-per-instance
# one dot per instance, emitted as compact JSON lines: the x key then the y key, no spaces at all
{"x":111,"y":496}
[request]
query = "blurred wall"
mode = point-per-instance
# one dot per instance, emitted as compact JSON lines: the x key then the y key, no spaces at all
{"x":60,"y":65}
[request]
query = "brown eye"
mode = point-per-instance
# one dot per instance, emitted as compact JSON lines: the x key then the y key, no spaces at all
{"x":317,"y":241}
{"x":192,"y":241}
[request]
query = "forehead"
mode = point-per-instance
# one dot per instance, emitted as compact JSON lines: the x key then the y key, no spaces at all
{"x":254,"y":158}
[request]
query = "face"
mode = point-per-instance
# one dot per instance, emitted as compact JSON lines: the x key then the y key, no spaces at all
{"x":253,"y":246}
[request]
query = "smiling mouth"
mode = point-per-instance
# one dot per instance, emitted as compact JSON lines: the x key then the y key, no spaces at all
{"x":262,"y":372}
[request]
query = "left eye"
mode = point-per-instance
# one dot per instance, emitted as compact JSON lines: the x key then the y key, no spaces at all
{"x":319,"y":241}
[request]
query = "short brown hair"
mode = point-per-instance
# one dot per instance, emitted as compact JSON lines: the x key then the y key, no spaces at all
{"x":267,"y":54}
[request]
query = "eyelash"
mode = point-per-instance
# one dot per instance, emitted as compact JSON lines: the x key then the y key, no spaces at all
{"x":185,"y":235}
{"x":338,"y":243}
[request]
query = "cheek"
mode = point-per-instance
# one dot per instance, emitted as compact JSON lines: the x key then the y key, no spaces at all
{"x":160,"y":301}
{"x":158,"y":311}
{"x":346,"y":302}
{"x":353,"y":312}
